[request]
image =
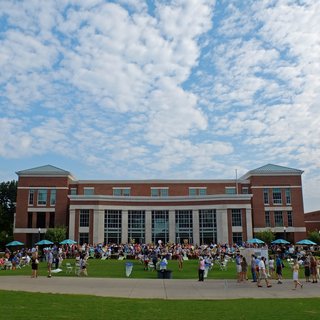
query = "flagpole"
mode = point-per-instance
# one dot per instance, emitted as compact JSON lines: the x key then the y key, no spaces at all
{"x":236,"y":181}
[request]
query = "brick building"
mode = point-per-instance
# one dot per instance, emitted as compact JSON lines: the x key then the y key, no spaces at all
{"x":312,"y":221}
{"x":144,"y":211}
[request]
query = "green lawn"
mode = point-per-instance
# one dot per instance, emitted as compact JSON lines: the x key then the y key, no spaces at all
{"x":22,"y":305}
{"x":116,"y":269}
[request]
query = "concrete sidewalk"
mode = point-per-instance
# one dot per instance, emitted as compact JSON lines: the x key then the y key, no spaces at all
{"x":158,"y":288}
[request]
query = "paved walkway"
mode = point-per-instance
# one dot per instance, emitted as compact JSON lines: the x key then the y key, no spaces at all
{"x":158,"y":288}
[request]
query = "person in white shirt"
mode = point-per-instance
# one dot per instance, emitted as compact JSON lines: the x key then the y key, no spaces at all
{"x":271,"y":267}
{"x":263,"y":273}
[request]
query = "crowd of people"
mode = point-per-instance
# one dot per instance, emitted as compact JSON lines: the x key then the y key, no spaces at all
{"x":262,"y":268}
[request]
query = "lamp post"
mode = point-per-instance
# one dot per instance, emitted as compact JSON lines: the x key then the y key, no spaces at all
{"x":39,"y":234}
{"x":285,"y":232}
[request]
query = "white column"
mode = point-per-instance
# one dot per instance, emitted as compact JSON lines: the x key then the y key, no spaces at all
{"x":98,"y":226}
{"x":222,"y":226}
{"x":124,"y":226}
{"x":172,"y":226}
{"x":249,"y":223}
{"x":148,"y":226}
{"x":72,"y":221}
{"x":196,"y":231}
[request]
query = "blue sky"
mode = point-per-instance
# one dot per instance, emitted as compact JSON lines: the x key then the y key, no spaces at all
{"x":135,"y":89}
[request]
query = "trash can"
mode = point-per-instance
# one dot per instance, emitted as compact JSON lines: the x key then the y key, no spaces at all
{"x":168,"y":274}
{"x":129,"y":267}
{"x":164,"y":274}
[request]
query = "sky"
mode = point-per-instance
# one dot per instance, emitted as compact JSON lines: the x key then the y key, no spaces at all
{"x":168,"y":89}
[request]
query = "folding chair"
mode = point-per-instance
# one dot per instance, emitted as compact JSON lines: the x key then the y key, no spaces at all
{"x":224,"y":265}
{"x":69,"y":268}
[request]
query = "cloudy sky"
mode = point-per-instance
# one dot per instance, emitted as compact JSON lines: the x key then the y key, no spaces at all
{"x":136,"y":89}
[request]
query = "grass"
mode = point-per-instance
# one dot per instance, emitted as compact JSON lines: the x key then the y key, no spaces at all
{"x":19,"y":305}
{"x":22,"y":305}
{"x":116,"y":269}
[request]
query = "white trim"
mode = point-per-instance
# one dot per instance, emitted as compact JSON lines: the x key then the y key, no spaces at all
{"x":164,"y":181}
{"x":40,"y":175}
{"x":41,"y":209}
{"x":271,"y":187}
{"x":197,"y":187}
{"x":216,"y":197}
{"x":312,"y":221}
{"x":157,"y":188}
{"x":29,"y":230}
{"x":49,"y":188}
{"x":278,"y":208}
{"x":147,"y":207}
{"x":237,"y":229}
{"x":280,"y":229}
{"x":125,"y":188}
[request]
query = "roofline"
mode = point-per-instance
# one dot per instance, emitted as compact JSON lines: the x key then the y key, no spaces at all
{"x":231,"y":181}
{"x":271,"y":173}
{"x":50,"y":175}
{"x":219,"y":197}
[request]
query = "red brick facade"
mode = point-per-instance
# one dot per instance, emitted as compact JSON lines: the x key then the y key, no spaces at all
{"x":239,"y":214}
{"x":312,"y":221}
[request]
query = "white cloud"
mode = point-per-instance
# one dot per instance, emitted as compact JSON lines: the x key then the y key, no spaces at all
{"x":162,"y":88}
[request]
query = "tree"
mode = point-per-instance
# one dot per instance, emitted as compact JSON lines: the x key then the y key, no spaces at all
{"x":314,"y":236}
{"x":8,"y":196}
{"x":267,"y":236}
{"x":57,"y":234}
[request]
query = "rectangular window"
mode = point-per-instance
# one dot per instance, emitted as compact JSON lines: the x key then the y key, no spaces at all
{"x":30,"y":215}
{"x":160,"y":226}
{"x":31,"y":197}
{"x":136,"y":226}
{"x":83,"y":238}
{"x":42,"y":197}
{"x":164,"y":192}
{"x":208,"y":226}
{"x":278,"y":219}
{"x":230,"y":190}
{"x":290,"y":221}
{"x":121,"y":192}
{"x":112,"y":226}
{"x":51,"y":220}
{"x":184,"y":226}
{"x":88,"y":191}
{"x":237,"y":237}
{"x":236,"y":217}
{"x":276,"y":196}
{"x":245,"y":190}
{"x":267,"y":218}
{"x":41,"y":220}
{"x":159,"y":192}
{"x":73,"y":191}
{"x":288,"y":196}
{"x":84,"y":218}
{"x":266,"y":196}
{"x":53,"y":194}
{"x":197,"y":191}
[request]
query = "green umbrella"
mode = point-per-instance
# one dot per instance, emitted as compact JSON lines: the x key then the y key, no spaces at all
{"x":14,"y":243}
{"x":68,"y":241}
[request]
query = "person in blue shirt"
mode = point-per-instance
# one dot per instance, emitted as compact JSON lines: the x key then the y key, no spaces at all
{"x":238,"y":266}
{"x":279,"y":266}
{"x":253,"y":268}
